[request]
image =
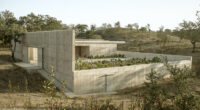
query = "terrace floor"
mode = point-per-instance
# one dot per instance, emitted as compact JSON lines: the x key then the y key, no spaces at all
{"x":29,"y":67}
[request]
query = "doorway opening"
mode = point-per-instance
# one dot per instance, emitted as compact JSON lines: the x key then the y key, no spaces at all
{"x":82,"y":51}
{"x":33,"y":55}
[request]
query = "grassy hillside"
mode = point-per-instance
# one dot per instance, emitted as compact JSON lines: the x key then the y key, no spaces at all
{"x":143,"y":41}
{"x":138,"y":41}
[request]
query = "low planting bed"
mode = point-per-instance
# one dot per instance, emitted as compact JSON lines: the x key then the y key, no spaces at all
{"x":80,"y":65}
{"x":110,"y":56}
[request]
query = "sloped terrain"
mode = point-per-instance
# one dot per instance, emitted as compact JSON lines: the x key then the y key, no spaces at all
{"x":17,"y":77}
{"x":151,"y":43}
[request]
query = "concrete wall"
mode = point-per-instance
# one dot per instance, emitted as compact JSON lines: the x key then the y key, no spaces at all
{"x":85,"y":51}
{"x":90,"y":81}
{"x":151,"y":55}
{"x":55,"y":48}
{"x":102,"y":49}
{"x":25,"y":54}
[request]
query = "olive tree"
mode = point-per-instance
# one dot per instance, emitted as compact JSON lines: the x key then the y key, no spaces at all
{"x":162,"y":35}
{"x":10,"y":30}
{"x":33,"y":22}
{"x":190,"y":30}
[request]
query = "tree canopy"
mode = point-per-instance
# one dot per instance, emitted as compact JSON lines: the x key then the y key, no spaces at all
{"x":34,"y":22}
{"x":189,"y":30}
{"x":10,"y":26}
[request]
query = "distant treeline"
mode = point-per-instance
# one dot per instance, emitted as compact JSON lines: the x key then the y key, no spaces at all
{"x":12,"y":27}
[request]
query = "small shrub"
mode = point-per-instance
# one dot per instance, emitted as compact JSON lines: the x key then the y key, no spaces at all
{"x":108,"y":106}
{"x":183,"y":99}
{"x":155,"y":96}
{"x":10,"y":87}
{"x":110,"y":56}
{"x":50,"y":89}
{"x":156,"y":59}
{"x":26,"y":86}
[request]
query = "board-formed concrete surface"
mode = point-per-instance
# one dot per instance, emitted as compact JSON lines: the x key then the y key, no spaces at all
{"x":28,"y":66}
{"x":99,"y":47}
{"x":115,"y":78}
{"x":55,"y":48}
{"x":105,"y":49}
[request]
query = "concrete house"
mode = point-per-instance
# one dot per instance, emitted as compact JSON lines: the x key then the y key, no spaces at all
{"x":40,"y":50}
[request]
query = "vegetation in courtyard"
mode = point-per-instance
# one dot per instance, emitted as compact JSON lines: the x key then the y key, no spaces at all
{"x":114,"y":63}
{"x":110,"y":56}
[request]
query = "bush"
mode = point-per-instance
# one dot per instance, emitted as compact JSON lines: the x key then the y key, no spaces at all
{"x":157,"y":97}
{"x":110,"y":56}
{"x":156,"y":59}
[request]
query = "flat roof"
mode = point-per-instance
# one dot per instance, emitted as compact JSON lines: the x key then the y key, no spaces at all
{"x":97,"y":41}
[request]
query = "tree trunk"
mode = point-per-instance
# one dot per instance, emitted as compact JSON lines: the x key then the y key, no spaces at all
{"x":13,"y":56}
{"x":193,"y":46}
{"x":13,"y":48}
{"x":13,"y":51}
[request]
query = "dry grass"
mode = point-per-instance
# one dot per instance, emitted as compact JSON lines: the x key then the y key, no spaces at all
{"x":17,"y":75}
{"x":16,"y":96}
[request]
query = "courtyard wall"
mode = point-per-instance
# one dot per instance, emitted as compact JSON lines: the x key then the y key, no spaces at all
{"x":93,"y":80}
{"x":102,"y":49}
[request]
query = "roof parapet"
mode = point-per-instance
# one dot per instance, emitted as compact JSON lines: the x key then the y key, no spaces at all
{"x":91,"y":41}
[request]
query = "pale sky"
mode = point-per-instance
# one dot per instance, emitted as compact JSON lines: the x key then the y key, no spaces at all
{"x":168,"y":13}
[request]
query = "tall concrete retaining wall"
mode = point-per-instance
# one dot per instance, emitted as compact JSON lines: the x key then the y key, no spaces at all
{"x":55,"y":48}
{"x":93,"y":80}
